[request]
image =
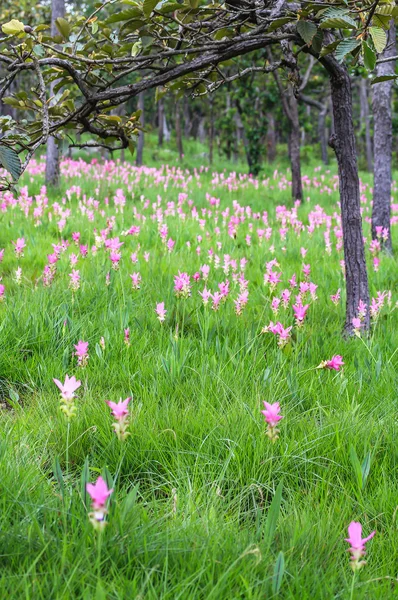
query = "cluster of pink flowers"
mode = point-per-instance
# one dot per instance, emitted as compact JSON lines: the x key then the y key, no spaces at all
{"x":279,"y":330}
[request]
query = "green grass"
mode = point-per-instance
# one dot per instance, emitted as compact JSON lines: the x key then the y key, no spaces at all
{"x":191,"y":514}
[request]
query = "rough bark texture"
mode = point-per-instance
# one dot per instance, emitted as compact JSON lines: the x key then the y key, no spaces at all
{"x":365,"y":121}
{"x":343,"y":143}
{"x":141,"y":135}
{"x":52,"y":154}
{"x":382,"y":120}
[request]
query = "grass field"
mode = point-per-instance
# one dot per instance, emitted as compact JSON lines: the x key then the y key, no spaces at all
{"x":205,"y":505}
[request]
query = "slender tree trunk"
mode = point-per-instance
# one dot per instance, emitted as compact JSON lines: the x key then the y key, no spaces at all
{"x":322,"y":133}
{"x":52,"y":154}
{"x":382,"y":120}
{"x":160,"y":122}
{"x":365,"y":121}
{"x":211,"y":130}
{"x":141,"y":135}
{"x":271,"y":138}
{"x":343,"y":143}
{"x":179,"y":131}
{"x":294,"y":145}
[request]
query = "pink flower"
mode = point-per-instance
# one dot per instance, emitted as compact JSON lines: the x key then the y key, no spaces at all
{"x":335,"y":363}
{"x":99,"y":494}
{"x":271,"y":413}
{"x":161,"y":311}
{"x":74,"y":283}
{"x":135,"y":280}
{"x":68,"y":388}
{"x":357,"y":544}
{"x":127,"y":336}
{"x":19,"y":246}
{"x":119,"y":409}
{"x":81,"y":353}
{"x":272,"y":418}
{"x":356,"y":325}
{"x":2,"y":291}
{"x":335,"y":298}
{"x":182,"y":285}
{"x":299,"y":312}
{"x":206,"y":295}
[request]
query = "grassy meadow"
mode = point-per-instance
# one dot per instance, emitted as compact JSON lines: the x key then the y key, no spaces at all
{"x":204,"y":504}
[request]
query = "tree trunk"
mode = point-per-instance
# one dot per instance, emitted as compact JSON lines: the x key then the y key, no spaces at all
{"x":343,"y":143}
{"x":365,"y":121}
{"x":271,"y":138}
{"x":160,"y":122}
{"x":294,"y":146}
{"x":141,"y":135}
{"x":52,"y":154}
{"x":211,"y":130}
{"x":178,"y":131}
{"x":322,"y":133}
{"x":382,"y":123}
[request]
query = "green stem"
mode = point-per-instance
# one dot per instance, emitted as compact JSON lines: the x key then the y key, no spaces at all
{"x":352,"y":586}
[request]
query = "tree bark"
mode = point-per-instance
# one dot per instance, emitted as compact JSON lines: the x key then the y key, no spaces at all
{"x":365,"y":121}
{"x":179,"y":131}
{"x":53,"y":154}
{"x":141,"y":135}
{"x":382,"y":123}
{"x":343,"y":143}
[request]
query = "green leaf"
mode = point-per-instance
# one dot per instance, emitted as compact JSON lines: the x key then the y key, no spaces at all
{"x":365,"y":467}
{"x":59,"y":476}
{"x":9,"y":159}
{"x":84,"y":480}
{"x":307,"y":31}
{"x":279,"y":570}
{"x":369,"y":56}
{"x":329,"y":49}
{"x":125,"y":15}
{"x":337,"y":18}
{"x":279,"y":23}
{"x":379,"y":38}
{"x":345,"y":47}
{"x":136,"y":48}
{"x":63,"y":27}
{"x":356,"y":465}
{"x":149,"y":6}
{"x":273,"y":514}
{"x":382,"y":78}
{"x":13,"y":27}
